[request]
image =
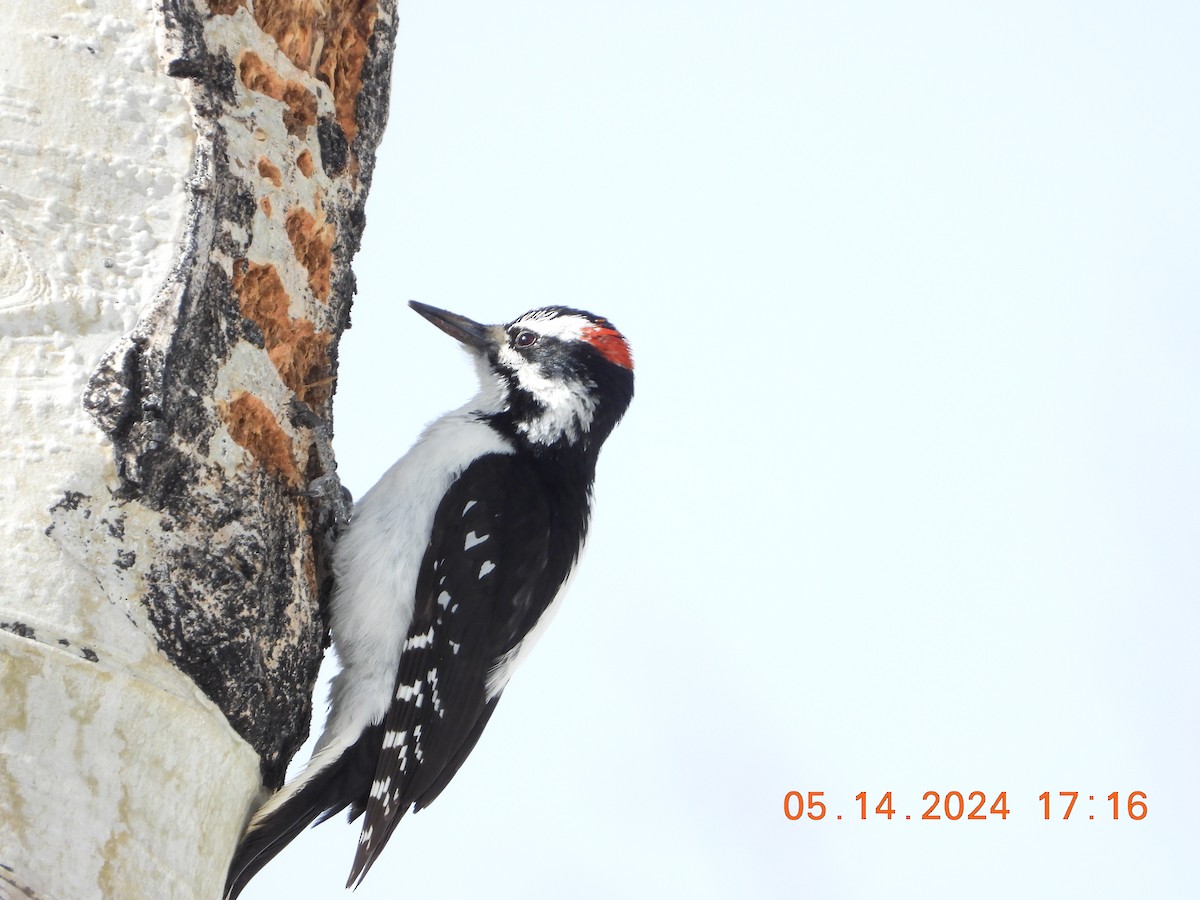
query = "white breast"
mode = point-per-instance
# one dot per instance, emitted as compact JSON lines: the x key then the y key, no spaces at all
{"x":376,"y":562}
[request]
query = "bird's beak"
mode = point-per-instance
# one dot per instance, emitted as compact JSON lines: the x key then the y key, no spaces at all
{"x":458,"y":327}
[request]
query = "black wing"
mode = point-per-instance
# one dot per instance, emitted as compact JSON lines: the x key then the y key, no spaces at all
{"x":498,"y":554}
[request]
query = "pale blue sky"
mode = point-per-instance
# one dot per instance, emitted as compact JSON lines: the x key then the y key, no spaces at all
{"x":908,"y":497}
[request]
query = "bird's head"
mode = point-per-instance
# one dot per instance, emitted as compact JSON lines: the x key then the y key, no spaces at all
{"x":555,"y":377}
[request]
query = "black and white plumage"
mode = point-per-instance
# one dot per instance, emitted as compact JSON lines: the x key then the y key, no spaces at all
{"x":448,"y":573}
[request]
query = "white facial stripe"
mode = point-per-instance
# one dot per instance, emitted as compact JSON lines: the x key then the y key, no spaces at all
{"x":570,"y":419}
{"x":565,"y":328}
{"x":569,"y":406}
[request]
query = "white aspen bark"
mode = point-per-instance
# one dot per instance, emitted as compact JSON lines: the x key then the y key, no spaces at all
{"x":181,"y":194}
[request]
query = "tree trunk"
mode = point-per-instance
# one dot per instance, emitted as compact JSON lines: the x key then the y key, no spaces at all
{"x":181,"y":194}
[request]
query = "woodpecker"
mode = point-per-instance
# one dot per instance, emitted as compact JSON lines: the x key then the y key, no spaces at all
{"x":449,"y":571}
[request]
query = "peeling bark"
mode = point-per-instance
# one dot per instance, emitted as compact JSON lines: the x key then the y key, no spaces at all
{"x":191,"y":564}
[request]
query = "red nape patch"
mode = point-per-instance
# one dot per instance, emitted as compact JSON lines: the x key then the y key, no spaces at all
{"x":610,"y":344}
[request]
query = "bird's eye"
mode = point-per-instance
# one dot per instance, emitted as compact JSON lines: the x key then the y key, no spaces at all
{"x":525,"y":339}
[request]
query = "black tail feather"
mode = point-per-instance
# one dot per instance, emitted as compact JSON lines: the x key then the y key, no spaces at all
{"x":345,"y":781}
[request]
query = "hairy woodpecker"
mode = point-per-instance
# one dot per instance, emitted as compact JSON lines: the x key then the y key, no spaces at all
{"x":449,"y":571}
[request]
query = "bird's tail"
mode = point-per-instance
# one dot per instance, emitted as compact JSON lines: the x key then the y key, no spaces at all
{"x":333,"y":779}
